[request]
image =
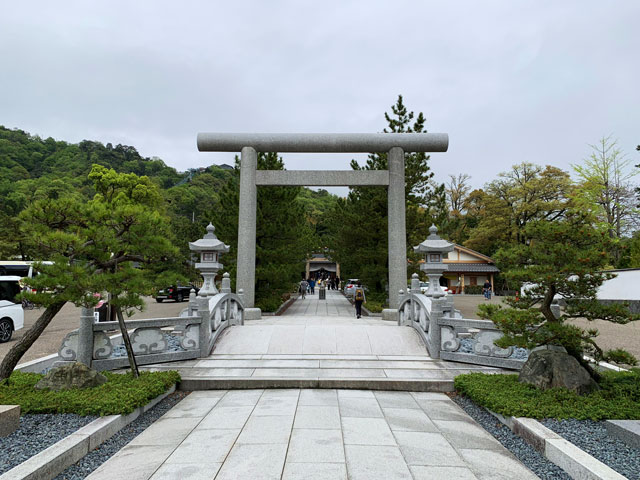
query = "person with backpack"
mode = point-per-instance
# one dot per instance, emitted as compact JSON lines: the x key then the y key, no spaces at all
{"x":359,"y":299}
{"x":303,"y":288}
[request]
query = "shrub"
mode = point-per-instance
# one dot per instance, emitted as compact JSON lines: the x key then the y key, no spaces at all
{"x":473,"y":289}
{"x":270,"y":304}
{"x":374,"y":306}
{"x":618,"y":397}
{"x":121,"y":394}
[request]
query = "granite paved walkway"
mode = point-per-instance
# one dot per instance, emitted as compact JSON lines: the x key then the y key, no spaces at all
{"x":314,"y":434}
{"x":335,"y":304}
{"x":311,"y":350}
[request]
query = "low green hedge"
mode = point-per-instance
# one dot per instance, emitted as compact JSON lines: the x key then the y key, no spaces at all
{"x":473,"y":289}
{"x":121,"y":394}
{"x":374,"y":306}
{"x":618,"y":397}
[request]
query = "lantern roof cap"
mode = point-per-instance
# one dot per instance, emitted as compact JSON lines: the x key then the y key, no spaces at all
{"x":434,"y":243}
{"x":209,"y":242}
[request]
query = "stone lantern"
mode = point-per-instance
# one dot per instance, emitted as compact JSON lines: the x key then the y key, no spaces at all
{"x":434,"y":249}
{"x":210,"y":249}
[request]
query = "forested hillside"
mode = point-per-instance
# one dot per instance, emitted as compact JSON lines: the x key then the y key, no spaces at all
{"x":292,"y":220}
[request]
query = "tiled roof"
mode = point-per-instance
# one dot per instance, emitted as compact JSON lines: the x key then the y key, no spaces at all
{"x":471,"y":267}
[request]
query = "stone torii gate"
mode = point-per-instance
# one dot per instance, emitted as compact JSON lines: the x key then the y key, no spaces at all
{"x":248,"y":144}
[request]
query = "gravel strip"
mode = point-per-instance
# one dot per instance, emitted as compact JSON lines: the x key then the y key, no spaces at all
{"x":36,"y":433}
{"x":533,"y":460}
{"x":592,"y":437}
{"x":104,"y":452}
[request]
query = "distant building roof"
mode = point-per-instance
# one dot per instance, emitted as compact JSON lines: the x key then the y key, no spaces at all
{"x":224,"y":166}
{"x":471,"y":268}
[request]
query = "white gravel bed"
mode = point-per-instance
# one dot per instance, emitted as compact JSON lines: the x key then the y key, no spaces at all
{"x":530,"y":457}
{"x":36,"y":433}
{"x":592,"y":437}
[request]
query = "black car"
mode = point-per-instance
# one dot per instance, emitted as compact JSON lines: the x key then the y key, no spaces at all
{"x":179,"y":293}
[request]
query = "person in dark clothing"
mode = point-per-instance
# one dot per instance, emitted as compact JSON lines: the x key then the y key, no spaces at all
{"x":486,"y":289}
{"x":359,"y":299}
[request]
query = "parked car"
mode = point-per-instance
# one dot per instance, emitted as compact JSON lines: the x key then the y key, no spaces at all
{"x":179,"y":293}
{"x":350,"y":287}
{"x":424,"y":286}
{"x":11,"y":313}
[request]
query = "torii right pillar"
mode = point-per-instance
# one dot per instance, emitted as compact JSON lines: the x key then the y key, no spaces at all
{"x":397,"y":229}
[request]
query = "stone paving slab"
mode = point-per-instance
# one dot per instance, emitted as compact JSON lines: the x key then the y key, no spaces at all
{"x":314,"y":434}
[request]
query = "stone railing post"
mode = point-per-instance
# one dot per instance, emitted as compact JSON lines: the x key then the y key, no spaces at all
{"x":226,"y":283}
{"x":205,"y":326}
{"x":193,"y":303}
{"x":435,"y":339}
{"x":85,"y":337}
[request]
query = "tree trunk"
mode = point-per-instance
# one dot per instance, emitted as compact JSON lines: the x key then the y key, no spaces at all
{"x":14,"y":355}
{"x":127,"y":343}
{"x":545,"y":308}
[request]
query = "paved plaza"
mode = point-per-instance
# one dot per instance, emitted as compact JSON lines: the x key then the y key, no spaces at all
{"x":314,"y":434}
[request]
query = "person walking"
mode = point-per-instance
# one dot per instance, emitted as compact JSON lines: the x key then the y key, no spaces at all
{"x":312,"y":286}
{"x":303,"y":288}
{"x":486,"y":288}
{"x":359,"y":299}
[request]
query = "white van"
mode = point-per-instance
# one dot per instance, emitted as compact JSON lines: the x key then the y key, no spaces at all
{"x":11,"y":313}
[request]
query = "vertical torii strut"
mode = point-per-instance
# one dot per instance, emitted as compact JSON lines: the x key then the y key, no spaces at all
{"x":248,"y":144}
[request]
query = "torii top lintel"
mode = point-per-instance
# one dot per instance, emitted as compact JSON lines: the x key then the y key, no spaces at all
{"x":323,"y":142}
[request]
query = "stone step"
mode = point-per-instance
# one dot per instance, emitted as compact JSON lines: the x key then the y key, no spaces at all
{"x":375,"y":372}
{"x":191,"y":383}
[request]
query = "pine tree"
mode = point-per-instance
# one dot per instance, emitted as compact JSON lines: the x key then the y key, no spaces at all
{"x":283,"y":236}
{"x":360,"y":241}
{"x":93,"y":245}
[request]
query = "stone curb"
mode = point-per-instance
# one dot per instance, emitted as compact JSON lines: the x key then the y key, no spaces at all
{"x":282,"y":308}
{"x":52,"y":461}
{"x":242,"y":383}
{"x":576,"y":462}
{"x":627,"y":431}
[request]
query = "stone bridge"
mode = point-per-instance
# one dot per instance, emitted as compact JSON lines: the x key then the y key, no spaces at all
{"x":320,"y":343}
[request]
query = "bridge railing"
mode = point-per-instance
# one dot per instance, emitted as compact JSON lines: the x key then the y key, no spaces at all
{"x":450,"y":337}
{"x":156,"y":340}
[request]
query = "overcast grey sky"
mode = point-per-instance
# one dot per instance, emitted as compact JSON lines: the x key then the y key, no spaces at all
{"x":510,"y":81}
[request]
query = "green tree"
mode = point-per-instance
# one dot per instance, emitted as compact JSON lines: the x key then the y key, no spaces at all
{"x":605,"y":190}
{"x":563,"y":257}
{"x":359,"y":232}
{"x":189,"y":205}
{"x":93,"y":245}
{"x":525,"y":194}
{"x":283,"y":236}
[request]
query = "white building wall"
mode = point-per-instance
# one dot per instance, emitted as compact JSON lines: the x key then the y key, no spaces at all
{"x":626,"y":286}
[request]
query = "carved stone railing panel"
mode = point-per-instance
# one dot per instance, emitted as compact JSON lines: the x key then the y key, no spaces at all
{"x":191,"y":338}
{"x":216,"y":317}
{"x":69,"y":349}
{"x":472,"y":341}
{"x":415,"y":308}
{"x":225,"y":307}
{"x":158,"y":340}
{"x":449,"y":340}
{"x":102,"y":347}
{"x":483,"y":345}
{"x":145,"y":341}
